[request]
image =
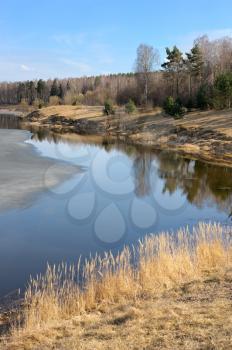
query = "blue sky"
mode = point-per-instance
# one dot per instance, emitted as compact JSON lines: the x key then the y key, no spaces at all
{"x":54,"y":38}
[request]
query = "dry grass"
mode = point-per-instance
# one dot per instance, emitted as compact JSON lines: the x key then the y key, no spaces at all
{"x":203,"y":134}
{"x":213,"y":120}
{"x":178,"y":297}
{"x":72,"y":112}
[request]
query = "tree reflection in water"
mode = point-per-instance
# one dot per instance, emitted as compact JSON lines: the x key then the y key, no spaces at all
{"x":202,"y":183}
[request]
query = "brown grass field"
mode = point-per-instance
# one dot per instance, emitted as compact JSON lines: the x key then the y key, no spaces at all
{"x":178,"y":297}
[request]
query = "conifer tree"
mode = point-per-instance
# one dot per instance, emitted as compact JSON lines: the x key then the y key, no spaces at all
{"x":174,"y":65}
{"x":194,"y":65}
{"x":41,"y":89}
{"x":55,"y":88}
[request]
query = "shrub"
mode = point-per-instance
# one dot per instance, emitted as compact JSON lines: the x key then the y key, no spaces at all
{"x":108,"y":107}
{"x":174,"y":107}
{"x":223,"y":91}
{"x":130,"y":107}
{"x":169,"y":104}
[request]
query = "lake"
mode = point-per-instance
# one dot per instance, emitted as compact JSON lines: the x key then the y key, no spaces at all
{"x":111,"y":194}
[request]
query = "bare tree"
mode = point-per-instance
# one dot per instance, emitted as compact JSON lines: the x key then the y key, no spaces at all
{"x":147,"y":58}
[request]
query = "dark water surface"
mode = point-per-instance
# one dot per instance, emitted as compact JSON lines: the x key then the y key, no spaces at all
{"x":122,"y":194}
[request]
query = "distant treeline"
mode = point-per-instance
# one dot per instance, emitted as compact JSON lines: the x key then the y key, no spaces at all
{"x":201,"y":78}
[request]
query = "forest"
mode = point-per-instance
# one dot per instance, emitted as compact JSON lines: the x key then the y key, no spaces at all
{"x":200,"y":78}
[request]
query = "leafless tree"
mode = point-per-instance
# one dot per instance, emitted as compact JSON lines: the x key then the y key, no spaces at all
{"x":147,"y":58}
{"x":146,"y":84}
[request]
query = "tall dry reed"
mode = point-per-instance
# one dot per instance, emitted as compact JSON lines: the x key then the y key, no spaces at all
{"x":158,"y":262}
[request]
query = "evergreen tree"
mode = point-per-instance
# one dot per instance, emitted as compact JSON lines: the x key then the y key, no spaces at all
{"x":55,"y":89}
{"x":130,"y":107}
{"x":174,"y":107}
{"x":194,"y":65}
{"x":61,"y":91}
{"x":30,"y":91}
{"x":108,"y":107}
{"x":223,"y":90}
{"x":174,"y":65}
{"x":41,"y":89}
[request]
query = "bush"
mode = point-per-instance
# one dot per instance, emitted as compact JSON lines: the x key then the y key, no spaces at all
{"x":108,"y":107}
{"x":222,"y":95}
{"x":169,"y":104}
{"x":174,"y":107}
{"x":130,"y":107}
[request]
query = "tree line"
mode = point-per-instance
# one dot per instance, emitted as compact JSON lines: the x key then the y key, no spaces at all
{"x":200,"y":78}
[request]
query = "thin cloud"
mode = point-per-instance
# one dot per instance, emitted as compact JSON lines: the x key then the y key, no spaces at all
{"x":70,"y":40}
{"x":82,"y":67}
{"x":26,"y":68}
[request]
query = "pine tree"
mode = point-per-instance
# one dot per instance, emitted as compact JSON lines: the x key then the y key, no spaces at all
{"x":55,"y":89}
{"x":194,"y":65}
{"x":174,"y":65}
{"x":223,"y":88}
{"x":130,"y":107}
{"x":41,"y":89}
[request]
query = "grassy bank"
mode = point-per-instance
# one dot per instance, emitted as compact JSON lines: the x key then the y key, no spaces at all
{"x":205,"y":135}
{"x":177,"y":297}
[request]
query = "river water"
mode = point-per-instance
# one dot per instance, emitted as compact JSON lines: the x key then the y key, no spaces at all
{"x":121,"y":194}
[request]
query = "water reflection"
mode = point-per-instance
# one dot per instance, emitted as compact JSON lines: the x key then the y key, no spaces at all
{"x":201,"y":183}
{"x":159,"y":191}
{"x":9,"y":121}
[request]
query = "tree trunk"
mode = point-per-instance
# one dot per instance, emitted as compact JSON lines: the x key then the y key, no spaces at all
{"x":177,"y":84}
{"x":146,"y":91}
{"x":190,"y":86}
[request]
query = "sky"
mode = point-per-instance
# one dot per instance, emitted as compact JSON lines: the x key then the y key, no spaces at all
{"x":72,"y":38}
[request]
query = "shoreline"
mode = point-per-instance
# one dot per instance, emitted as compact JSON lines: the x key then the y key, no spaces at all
{"x":201,"y":135}
{"x":205,"y":135}
{"x":176,"y":285}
